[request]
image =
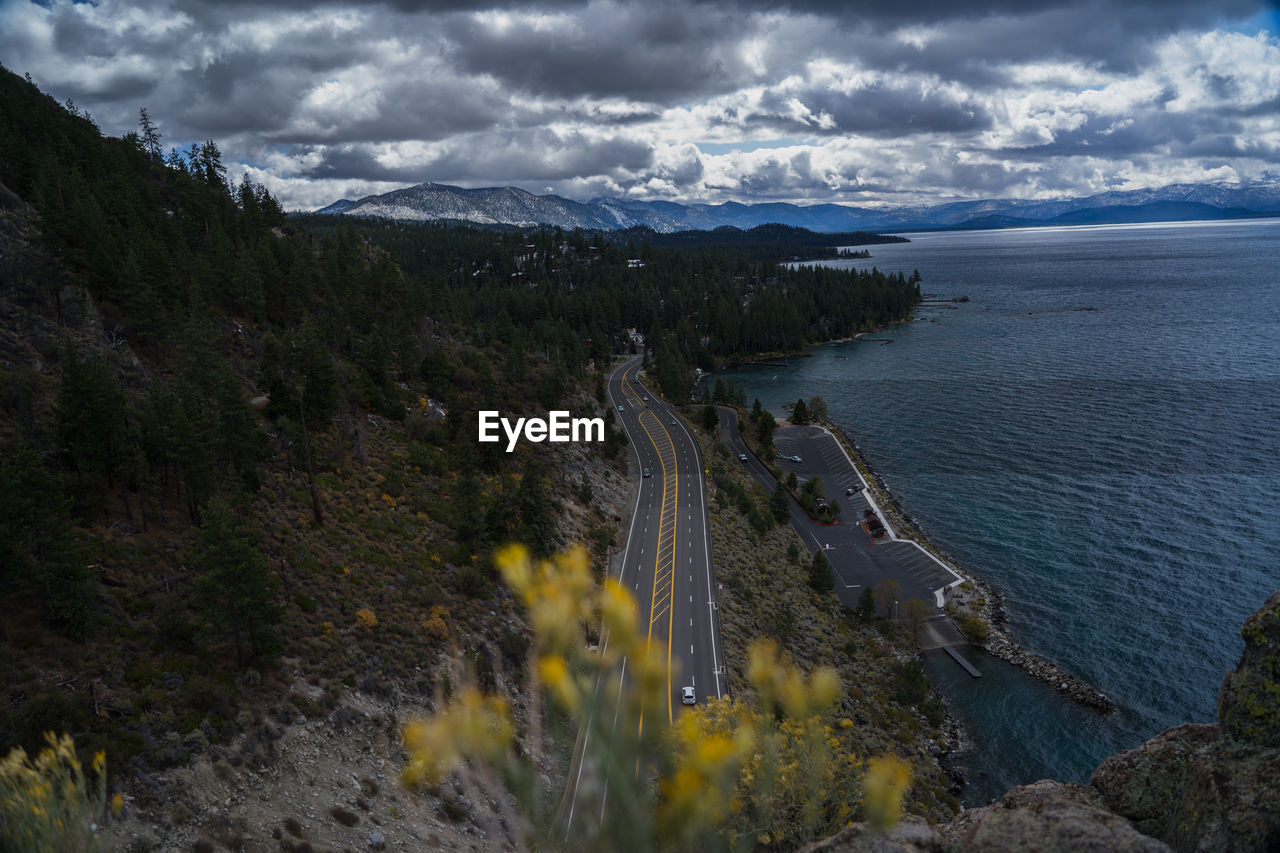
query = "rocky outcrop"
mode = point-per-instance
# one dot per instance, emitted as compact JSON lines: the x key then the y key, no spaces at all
{"x":912,"y":834}
{"x":1197,"y":790}
{"x":1249,"y":701}
{"x":1044,"y":817}
{"x":1213,"y":787}
{"x":1047,"y":816}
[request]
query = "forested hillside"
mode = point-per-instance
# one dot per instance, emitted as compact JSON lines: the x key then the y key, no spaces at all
{"x":243,"y":513}
{"x":576,"y":295}
{"x":227,"y":441}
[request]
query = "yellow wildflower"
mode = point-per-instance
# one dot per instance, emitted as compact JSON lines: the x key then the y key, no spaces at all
{"x":884,"y":784}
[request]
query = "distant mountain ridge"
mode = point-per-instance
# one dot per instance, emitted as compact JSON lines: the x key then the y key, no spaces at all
{"x":514,"y":206}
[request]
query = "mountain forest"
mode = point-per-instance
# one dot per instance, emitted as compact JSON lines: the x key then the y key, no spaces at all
{"x":243,"y":513}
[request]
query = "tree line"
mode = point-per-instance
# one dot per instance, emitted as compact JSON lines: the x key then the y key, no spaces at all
{"x":574,"y":297}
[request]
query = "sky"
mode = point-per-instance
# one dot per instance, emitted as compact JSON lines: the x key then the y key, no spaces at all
{"x":876,"y":103}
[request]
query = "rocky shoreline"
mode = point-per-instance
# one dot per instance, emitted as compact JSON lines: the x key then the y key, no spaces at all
{"x":982,"y":601}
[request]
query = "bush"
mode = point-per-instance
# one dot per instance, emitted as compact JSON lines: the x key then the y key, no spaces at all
{"x":343,"y":816}
{"x":909,"y":684}
{"x":975,"y":628}
{"x":934,"y":711}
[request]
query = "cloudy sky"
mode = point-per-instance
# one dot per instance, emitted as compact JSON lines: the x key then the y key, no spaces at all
{"x":876,"y":102}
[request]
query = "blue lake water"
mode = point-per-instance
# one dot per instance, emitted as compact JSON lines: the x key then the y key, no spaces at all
{"x":1096,"y":433}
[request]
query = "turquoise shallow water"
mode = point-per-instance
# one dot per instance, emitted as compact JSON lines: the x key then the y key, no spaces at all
{"x":1113,"y":471}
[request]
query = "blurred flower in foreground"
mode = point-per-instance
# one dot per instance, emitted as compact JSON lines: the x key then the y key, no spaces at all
{"x":886,"y":781}
{"x":728,"y":774}
{"x":49,"y":805}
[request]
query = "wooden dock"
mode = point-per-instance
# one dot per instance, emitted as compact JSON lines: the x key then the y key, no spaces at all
{"x":959,"y":658}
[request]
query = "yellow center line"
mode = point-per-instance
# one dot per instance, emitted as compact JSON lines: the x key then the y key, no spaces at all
{"x":658,"y":558}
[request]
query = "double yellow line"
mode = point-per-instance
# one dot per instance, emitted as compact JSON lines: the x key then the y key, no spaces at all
{"x":666,"y":532}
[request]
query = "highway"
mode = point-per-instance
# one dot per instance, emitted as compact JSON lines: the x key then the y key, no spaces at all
{"x":667,"y":566}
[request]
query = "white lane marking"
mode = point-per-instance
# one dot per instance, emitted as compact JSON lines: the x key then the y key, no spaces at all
{"x":617,"y":705}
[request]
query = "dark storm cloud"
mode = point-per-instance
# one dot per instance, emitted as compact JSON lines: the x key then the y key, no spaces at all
{"x":540,"y":154}
{"x":640,"y":52}
{"x":1221,"y":136}
{"x":955,"y":98}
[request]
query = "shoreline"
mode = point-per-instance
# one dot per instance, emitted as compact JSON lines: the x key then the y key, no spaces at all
{"x":780,"y":359}
{"x":987,"y":603}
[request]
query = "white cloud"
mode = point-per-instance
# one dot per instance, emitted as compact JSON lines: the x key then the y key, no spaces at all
{"x":596,"y":97}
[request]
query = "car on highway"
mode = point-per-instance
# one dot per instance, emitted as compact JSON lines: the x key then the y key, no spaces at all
{"x":742,"y":457}
{"x":648,"y":473}
{"x":645,"y":398}
{"x":621,"y":408}
{"x":687,"y":696}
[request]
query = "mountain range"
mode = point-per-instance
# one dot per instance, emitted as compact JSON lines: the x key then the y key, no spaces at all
{"x":514,"y":206}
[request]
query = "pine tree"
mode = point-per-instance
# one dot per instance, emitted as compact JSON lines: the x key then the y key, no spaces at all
{"x":90,"y":426}
{"x":37,"y":543}
{"x":821,"y":578}
{"x":710,"y":418}
{"x":865,"y":611}
{"x":535,"y":509}
{"x":236,"y":589}
{"x":149,"y":135}
{"x":780,"y":504}
{"x":764,"y":434}
{"x":209,"y":158}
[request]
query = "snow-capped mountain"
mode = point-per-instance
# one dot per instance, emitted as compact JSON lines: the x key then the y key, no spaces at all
{"x":513,"y":206}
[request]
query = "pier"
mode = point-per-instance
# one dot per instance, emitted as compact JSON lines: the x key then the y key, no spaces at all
{"x":960,"y":659}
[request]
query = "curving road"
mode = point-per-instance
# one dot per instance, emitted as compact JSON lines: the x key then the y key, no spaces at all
{"x":667,"y":567}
